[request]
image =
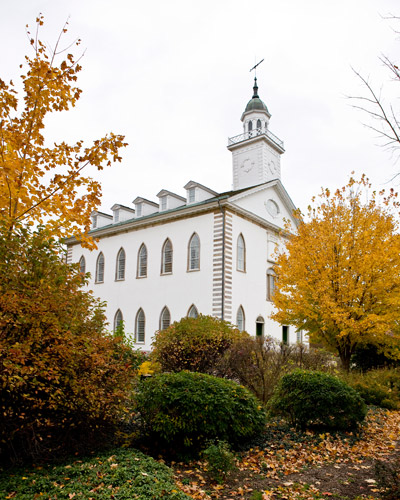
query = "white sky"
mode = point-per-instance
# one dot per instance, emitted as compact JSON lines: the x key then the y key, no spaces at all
{"x":173,"y":77}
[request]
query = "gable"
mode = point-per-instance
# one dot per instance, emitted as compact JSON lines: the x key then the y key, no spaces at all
{"x":268,"y":201}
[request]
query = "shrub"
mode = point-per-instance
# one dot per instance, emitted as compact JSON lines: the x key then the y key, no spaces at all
{"x":311,"y":398}
{"x":377,"y":387}
{"x":64,"y":383}
{"x":259,"y":363}
{"x":193,"y":344}
{"x":121,"y":473}
{"x":220,"y":460}
{"x":185,"y":409}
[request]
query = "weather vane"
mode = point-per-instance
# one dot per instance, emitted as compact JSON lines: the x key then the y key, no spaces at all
{"x":255,"y":67}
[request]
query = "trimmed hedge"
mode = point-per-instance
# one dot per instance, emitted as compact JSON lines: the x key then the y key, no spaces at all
{"x":311,"y":398}
{"x":186,"y":409}
{"x":119,"y":474}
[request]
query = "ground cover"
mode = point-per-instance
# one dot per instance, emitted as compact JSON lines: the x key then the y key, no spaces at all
{"x":286,"y":464}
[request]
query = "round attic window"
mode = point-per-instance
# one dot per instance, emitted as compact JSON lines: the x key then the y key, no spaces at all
{"x":272,"y":208}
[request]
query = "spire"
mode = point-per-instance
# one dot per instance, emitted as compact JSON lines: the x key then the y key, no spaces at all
{"x":255,"y":88}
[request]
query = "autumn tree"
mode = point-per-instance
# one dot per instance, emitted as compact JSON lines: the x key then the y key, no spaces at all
{"x":339,"y":279}
{"x":65,"y":384}
{"x":42,"y":183}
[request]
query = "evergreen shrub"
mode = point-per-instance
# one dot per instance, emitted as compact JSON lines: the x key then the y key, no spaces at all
{"x":186,"y":409}
{"x":315,"y":399}
{"x":194,"y":344}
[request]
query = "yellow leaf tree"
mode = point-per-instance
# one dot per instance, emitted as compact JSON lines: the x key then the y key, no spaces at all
{"x":39,"y":183}
{"x":339,"y":279}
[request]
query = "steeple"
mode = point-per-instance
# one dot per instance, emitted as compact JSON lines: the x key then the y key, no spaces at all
{"x":256,"y":152}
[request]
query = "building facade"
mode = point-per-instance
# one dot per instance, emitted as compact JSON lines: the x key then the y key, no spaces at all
{"x":205,"y":252}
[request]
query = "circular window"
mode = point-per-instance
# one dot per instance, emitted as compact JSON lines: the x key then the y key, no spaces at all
{"x":272,"y":208}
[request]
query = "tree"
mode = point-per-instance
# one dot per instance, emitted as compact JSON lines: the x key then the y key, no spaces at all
{"x":339,"y":279}
{"x":382,"y":111}
{"x":41,"y":184}
{"x":64,"y":382}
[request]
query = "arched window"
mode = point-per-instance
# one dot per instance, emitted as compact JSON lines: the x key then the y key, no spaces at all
{"x":270,"y":283}
{"x":241,"y":254}
{"x":250,"y":128}
{"x":142,"y":262}
{"x":258,"y":125}
{"x":240,"y":318}
{"x":118,"y":321}
{"x":194,"y":253}
{"x":259,"y":326}
{"x":193,"y":312}
{"x":82,"y":265}
{"x":166,"y":257}
{"x":165,"y":318}
{"x":120,"y":267}
{"x":140,"y":325}
{"x":100,"y":268}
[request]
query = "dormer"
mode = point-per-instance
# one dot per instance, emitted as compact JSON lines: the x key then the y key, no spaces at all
{"x":197,"y":192}
{"x":122,"y":213}
{"x":100,"y":219}
{"x":144,"y":207}
{"x":169,"y":200}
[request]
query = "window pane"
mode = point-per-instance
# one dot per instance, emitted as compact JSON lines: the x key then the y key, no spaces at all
{"x":100,"y":269}
{"x":140,"y":326}
{"x":240,"y":253}
{"x":193,"y":313}
{"x":142,"y":272}
{"x":192,"y":195}
{"x":240,"y":319}
{"x":167,"y":257}
{"x":121,"y":265}
{"x":165,"y":319}
{"x":82,"y":265}
{"x":194,"y":253}
{"x":117,"y":320}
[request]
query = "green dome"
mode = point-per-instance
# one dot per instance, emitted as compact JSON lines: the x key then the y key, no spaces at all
{"x":255,"y":102}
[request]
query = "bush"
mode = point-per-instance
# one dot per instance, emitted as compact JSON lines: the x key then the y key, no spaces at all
{"x":219,"y":459}
{"x":377,"y":387}
{"x":259,"y":363}
{"x":122,"y":473}
{"x":186,"y":409}
{"x":193,"y":344}
{"x":65,"y":384}
{"x":307,"y":398}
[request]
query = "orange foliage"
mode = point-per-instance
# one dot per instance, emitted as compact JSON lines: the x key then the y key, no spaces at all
{"x":339,"y":278}
{"x":40,"y":184}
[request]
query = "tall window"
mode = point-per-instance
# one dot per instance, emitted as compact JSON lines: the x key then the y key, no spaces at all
{"x":100,"y":268}
{"x":138,"y":210}
{"x":165,"y":318}
{"x":118,"y":321}
{"x":140,"y":325}
{"x":285,"y":334}
{"x":270,"y":283}
{"x":163,"y":202}
{"x":241,"y":254}
{"x":258,"y":125}
{"x":142,"y":262}
{"x":193,"y":312}
{"x":120,"y":268}
{"x":82,"y":265}
{"x":166,"y":257}
{"x":194,"y":253}
{"x":240,"y":318}
{"x":250,"y":126}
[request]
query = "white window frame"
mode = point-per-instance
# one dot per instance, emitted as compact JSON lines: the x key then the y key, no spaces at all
{"x":165,"y":318}
{"x":142,"y":266}
{"x":100,"y":267}
{"x":120,"y":265}
{"x":82,"y":265}
{"x":271,"y":285}
{"x":167,"y":254}
{"x":194,"y":253}
{"x":240,"y":321}
{"x":241,"y":254}
{"x":118,"y":318}
{"x":193,"y":312}
{"x":140,"y":327}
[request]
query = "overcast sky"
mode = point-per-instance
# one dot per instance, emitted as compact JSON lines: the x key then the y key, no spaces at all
{"x":173,"y":77}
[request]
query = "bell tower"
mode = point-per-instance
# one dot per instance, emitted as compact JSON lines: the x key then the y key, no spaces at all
{"x":257,"y":151}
